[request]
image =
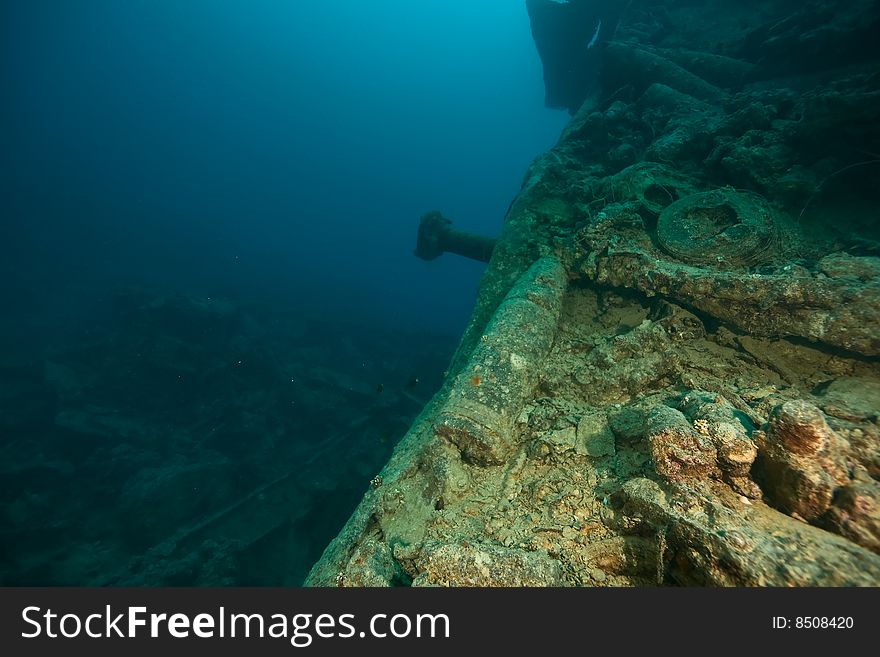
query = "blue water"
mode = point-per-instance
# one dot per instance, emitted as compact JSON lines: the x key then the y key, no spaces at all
{"x":210,"y":302}
{"x":231,"y":148}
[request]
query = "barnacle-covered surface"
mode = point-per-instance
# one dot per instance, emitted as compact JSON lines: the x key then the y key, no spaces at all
{"x":671,"y":374}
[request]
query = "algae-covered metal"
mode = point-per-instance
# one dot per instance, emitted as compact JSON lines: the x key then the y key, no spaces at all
{"x":670,"y":376}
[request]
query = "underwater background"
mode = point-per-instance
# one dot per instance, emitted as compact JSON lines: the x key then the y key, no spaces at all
{"x":232,"y":356}
{"x":214,"y":326}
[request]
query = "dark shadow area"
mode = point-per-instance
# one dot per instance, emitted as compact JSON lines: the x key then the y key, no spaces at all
{"x":177,"y":440}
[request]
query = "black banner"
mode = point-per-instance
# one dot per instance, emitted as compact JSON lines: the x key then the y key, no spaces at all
{"x":398,"y":621}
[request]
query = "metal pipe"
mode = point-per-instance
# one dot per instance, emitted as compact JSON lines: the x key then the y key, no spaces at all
{"x":435,"y":238}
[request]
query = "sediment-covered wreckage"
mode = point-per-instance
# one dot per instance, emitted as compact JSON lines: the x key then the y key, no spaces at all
{"x":671,"y":374}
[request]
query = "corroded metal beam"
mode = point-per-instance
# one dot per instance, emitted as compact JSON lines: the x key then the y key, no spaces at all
{"x":435,"y":238}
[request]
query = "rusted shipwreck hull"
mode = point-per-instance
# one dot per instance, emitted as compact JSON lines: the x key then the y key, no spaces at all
{"x":671,"y":374}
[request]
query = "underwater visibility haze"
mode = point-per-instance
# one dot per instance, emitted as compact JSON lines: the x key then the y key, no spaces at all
{"x":209,"y":215}
{"x":286,"y":146}
{"x":378,"y":293}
